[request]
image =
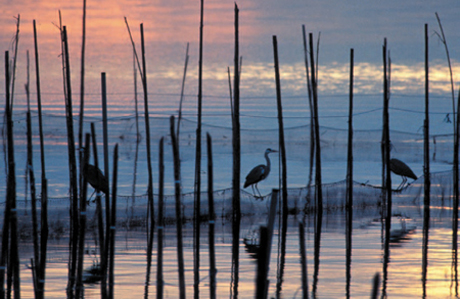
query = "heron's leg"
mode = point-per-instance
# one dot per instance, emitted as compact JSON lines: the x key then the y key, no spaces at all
{"x":88,"y":201}
{"x":253,"y":191}
{"x":260,"y":195}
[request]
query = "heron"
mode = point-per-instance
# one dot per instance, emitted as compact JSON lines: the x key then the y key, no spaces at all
{"x":96,"y":178}
{"x":400,"y":168}
{"x":259,"y":173}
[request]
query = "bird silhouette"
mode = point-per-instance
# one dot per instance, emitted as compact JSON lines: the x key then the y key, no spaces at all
{"x":96,"y":178}
{"x":400,"y":168}
{"x":259,"y":173}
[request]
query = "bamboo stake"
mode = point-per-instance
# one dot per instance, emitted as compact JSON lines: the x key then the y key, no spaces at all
{"x":303,"y":261}
{"x":262,"y":268}
{"x":72,"y":169}
{"x":212,"y":219}
{"x":197,"y":183}
{"x":113,"y":219}
{"x":82,"y":89}
{"x":44,"y":181}
{"x":100,"y":221}
{"x":179,"y":118}
{"x":105,"y":137}
{"x":318,"y":180}
{"x":30,"y":172}
{"x":312,"y":116}
{"x":281,"y":126}
{"x":349,"y":191}
{"x":79,"y":292}
{"x":13,"y":76}
{"x":236,"y":180}
{"x":160,"y":228}
{"x":177,"y":189}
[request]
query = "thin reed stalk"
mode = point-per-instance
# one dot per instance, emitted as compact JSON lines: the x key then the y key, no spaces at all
{"x":13,"y":75}
{"x":72,"y":169}
{"x":312,"y":115}
{"x":179,"y":117}
{"x":318,"y":180}
{"x":177,"y":192}
{"x":30,"y":173}
{"x":160,"y":228}
{"x":113,"y":224}
{"x":281,"y":126}
{"x":79,"y":292}
{"x":197,"y":183}
{"x":303,"y":261}
{"x":44,"y":181}
{"x":100,"y":221}
{"x":349,"y":188}
{"x":212,"y":219}
{"x":82,"y":90}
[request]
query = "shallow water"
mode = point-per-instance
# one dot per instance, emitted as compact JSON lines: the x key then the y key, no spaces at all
{"x":404,"y":268}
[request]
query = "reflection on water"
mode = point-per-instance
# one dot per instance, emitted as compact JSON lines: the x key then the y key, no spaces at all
{"x":334,"y":273}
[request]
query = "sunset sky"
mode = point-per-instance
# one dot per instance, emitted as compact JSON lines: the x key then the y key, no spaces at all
{"x":169,"y":25}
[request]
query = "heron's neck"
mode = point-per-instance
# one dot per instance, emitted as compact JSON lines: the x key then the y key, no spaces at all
{"x":268,"y":161}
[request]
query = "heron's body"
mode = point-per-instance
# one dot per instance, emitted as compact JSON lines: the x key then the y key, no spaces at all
{"x":259,"y":173}
{"x":400,"y":168}
{"x":96,"y":178}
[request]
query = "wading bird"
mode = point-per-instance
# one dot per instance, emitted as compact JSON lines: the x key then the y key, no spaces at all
{"x":400,"y":168}
{"x":259,"y":173}
{"x":96,"y":179}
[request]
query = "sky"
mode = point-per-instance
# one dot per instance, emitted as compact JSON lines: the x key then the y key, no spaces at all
{"x":170,"y":25}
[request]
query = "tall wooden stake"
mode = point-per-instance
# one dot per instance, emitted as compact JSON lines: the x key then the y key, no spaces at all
{"x":212,"y":219}
{"x":197,"y":185}
{"x":177,"y":192}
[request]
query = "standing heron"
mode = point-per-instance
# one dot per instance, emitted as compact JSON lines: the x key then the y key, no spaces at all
{"x":96,"y":179}
{"x":400,"y":168}
{"x":259,"y":173}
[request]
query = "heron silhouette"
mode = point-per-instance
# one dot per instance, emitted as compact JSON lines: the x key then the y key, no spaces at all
{"x":259,"y":173}
{"x":400,"y":168}
{"x":96,"y":179}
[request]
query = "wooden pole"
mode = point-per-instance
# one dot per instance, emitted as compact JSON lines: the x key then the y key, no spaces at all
{"x":179,"y":117}
{"x":303,"y":261}
{"x":160,"y":228}
{"x":349,"y":191}
{"x":177,"y":191}
{"x":312,"y":115}
{"x":100,"y":221}
{"x":281,"y":126}
{"x":72,"y":170}
{"x":212,"y":219}
{"x":113,"y":223}
{"x":82,"y":86}
{"x":197,"y":184}
{"x":79,"y":291}
{"x":44,"y":181}
{"x":318,"y":180}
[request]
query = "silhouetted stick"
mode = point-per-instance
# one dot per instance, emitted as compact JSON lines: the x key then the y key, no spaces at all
{"x":312,"y":115}
{"x":212,"y":219}
{"x":262,"y":268}
{"x":72,"y":169}
{"x":375,"y":286}
{"x":105,"y":140}
{"x":30,"y":173}
{"x":13,"y":75}
{"x":349,"y":189}
{"x":177,"y":191}
{"x":179,"y":118}
{"x":236,"y":123}
{"x":160,"y":228}
{"x":113,"y":224}
{"x":82,"y":87}
{"x":303,"y":261}
{"x":318,"y":180}
{"x":197,"y":183}
{"x":79,"y":292}
{"x":100,"y":221}
{"x":281,"y":126}
{"x":427,"y":179}
{"x":44,"y":182}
